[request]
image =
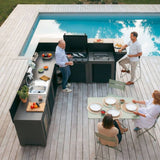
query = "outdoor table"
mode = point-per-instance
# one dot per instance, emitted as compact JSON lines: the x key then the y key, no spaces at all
{"x":124,"y":114}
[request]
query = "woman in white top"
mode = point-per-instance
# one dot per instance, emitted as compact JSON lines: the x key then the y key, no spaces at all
{"x":151,"y":111}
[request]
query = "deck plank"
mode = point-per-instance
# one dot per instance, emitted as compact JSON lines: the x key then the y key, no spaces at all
{"x":67,"y":139}
{"x":79,"y":152}
{"x":62,"y":126}
{"x":85,"y":141}
{"x":73,"y":139}
{"x":58,"y":106}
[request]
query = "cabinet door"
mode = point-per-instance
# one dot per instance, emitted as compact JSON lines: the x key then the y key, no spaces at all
{"x":46,"y":118}
{"x":51,"y":98}
{"x":101,"y":72}
{"x":78,"y":72}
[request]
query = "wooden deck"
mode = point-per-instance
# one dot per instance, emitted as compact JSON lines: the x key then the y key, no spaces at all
{"x":71,"y":133}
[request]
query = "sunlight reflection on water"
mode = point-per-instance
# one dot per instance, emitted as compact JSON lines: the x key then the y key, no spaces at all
{"x":103,"y":29}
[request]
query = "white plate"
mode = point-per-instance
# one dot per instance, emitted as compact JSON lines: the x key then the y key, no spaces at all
{"x":110,"y":100}
{"x":131,"y":107}
{"x":114,"y":112}
{"x":95,"y":107}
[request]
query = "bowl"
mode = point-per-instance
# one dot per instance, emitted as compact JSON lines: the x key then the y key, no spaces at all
{"x":47,"y":56}
{"x":122,"y":101}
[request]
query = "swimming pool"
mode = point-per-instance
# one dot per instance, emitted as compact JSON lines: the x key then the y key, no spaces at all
{"x":97,"y":26}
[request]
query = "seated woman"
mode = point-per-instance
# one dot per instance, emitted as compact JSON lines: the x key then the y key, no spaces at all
{"x":151,"y":111}
{"x":110,"y":128}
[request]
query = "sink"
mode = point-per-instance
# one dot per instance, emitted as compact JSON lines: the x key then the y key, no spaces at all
{"x":38,"y":87}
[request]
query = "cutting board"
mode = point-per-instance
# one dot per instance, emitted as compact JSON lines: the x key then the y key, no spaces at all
{"x":44,"y":78}
{"x":39,"y":109}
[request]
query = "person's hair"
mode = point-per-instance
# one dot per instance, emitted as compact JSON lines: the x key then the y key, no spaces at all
{"x":60,"y":41}
{"x":135,"y":34}
{"x":156,"y":97}
{"x":107,"y":121}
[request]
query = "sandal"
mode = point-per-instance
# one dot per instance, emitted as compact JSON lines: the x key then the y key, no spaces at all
{"x":124,"y":130}
{"x":137,"y":129}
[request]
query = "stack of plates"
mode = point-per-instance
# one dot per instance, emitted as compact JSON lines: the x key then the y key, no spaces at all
{"x":95,"y":107}
{"x":114,"y":112}
{"x":110,"y":100}
{"x":131,"y":107}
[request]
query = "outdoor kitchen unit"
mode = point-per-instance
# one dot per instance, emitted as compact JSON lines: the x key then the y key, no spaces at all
{"x":76,"y":45}
{"x":93,"y":62}
{"x":101,"y":62}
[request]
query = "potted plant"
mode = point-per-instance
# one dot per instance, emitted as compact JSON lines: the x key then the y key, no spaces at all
{"x":23,"y":93}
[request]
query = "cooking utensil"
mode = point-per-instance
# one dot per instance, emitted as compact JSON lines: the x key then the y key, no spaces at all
{"x":80,"y":54}
{"x":75,"y":55}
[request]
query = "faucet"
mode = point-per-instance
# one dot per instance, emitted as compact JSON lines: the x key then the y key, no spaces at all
{"x":29,"y":76}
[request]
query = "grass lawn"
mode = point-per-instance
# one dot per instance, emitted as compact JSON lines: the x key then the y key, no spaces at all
{"x":6,"y":6}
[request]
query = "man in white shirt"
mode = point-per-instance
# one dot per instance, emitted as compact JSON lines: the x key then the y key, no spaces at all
{"x":64,"y":64}
{"x":132,"y":58}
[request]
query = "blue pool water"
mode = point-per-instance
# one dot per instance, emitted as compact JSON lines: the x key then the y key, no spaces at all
{"x":97,"y":26}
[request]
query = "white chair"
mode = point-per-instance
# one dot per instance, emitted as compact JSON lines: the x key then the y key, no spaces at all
{"x":147,"y":130}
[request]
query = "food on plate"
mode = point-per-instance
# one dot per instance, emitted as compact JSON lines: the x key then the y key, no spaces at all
{"x":50,"y":54}
{"x":46,"y":55}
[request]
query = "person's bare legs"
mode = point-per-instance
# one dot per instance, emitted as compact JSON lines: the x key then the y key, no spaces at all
{"x":120,"y":127}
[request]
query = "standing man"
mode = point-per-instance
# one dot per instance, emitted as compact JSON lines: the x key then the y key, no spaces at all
{"x":64,"y":64}
{"x":132,"y":58}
